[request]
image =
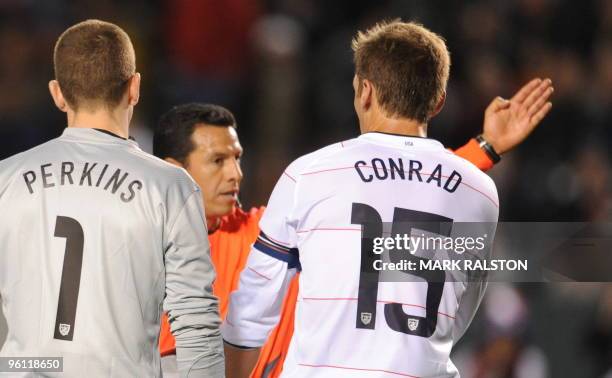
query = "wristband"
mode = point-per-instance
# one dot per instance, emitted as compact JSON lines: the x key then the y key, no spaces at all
{"x":488,"y":149}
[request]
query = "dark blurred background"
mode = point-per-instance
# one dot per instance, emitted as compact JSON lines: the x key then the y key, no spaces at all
{"x":285,"y":68}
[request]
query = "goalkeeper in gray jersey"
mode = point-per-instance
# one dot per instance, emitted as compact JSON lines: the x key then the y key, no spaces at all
{"x":96,"y":235}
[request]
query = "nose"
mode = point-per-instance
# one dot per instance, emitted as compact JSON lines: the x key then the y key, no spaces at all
{"x":235,"y":172}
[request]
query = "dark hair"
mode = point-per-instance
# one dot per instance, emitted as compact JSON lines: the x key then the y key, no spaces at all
{"x":407,"y":64}
{"x":172,"y":137}
{"x":93,"y":61}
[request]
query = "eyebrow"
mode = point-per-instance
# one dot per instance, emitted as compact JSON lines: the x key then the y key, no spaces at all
{"x":216,"y":154}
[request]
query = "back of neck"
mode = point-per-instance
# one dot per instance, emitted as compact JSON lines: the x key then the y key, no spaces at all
{"x":100,"y":119}
{"x":400,"y":126}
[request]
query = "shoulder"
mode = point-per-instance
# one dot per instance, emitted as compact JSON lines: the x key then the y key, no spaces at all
{"x":19,"y":158}
{"x":301,"y":164}
{"x":472,"y":170}
{"x":12,"y":164}
{"x":164,"y":172}
{"x":472,"y":176}
{"x":155,"y":162}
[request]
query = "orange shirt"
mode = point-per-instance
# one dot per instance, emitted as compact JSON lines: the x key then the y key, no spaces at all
{"x":230,"y":246}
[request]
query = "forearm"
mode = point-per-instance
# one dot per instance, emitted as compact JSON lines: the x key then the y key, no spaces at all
{"x":199,"y":346}
{"x":193,"y":313}
{"x":199,"y":361}
{"x":240,"y":362}
{"x":194,"y":321}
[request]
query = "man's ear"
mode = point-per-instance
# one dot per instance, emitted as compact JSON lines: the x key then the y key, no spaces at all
{"x":174,"y":162}
{"x":58,"y":97}
{"x":439,"y":106}
{"x":134,"y":89}
{"x":365,"y":96}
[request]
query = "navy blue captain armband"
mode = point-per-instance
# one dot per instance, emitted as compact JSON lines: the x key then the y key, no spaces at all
{"x":278,"y":251}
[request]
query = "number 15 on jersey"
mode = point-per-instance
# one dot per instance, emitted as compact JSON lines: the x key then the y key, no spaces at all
{"x":404,"y":221}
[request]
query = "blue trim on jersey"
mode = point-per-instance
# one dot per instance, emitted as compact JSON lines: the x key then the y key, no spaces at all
{"x":291,"y":257}
{"x":268,"y":240}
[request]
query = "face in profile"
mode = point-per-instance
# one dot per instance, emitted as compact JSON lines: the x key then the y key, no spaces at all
{"x":214,"y":164}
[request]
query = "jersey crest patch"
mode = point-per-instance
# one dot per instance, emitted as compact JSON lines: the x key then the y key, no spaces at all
{"x":366,"y":317}
{"x":64,"y":329}
{"x":413,"y":324}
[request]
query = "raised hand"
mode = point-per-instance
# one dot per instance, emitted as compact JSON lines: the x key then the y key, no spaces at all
{"x":508,"y":122}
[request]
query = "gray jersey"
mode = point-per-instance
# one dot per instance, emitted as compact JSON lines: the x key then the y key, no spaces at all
{"x":95,"y":235}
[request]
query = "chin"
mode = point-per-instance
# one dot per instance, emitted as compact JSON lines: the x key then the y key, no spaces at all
{"x":225,"y":210}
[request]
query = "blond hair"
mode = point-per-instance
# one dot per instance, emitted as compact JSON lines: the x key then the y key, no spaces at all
{"x":407,"y":64}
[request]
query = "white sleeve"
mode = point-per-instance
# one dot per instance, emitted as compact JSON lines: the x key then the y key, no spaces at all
{"x":192,"y":308}
{"x":255,"y":307}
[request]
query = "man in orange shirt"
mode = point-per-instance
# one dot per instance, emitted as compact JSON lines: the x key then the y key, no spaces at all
{"x":202,"y":139}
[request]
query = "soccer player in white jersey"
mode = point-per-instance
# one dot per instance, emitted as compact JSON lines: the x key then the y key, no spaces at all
{"x":97,"y":235}
{"x":347,"y":322}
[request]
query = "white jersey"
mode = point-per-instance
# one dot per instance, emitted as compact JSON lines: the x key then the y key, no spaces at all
{"x":95,"y":236}
{"x":349,"y":322}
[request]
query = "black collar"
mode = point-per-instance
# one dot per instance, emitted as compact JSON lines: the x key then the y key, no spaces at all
{"x":113,"y":134}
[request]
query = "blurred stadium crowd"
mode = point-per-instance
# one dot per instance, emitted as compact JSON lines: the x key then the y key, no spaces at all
{"x":284,"y":68}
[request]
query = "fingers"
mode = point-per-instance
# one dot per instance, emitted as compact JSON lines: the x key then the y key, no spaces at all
{"x":522,"y":94}
{"x":539,"y":116}
{"x":535,"y":94}
{"x":540,"y":102}
{"x":497,"y":104}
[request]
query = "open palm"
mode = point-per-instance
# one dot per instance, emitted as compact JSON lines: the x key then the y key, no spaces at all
{"x":508,"y":122}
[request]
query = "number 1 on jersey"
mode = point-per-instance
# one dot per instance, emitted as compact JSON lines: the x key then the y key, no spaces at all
{"x":70,"y":229}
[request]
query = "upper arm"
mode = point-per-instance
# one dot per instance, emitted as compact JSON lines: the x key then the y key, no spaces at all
{"x":278,"y":223}
{"x":255,"y":307}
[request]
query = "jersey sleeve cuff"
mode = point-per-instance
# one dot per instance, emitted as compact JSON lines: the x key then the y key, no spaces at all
{"x":238,"y":346}
{"x":241,"y":338}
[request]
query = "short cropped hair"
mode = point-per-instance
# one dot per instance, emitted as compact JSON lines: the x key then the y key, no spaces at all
{"x":172,"y":136}
{"x":407,"y":64}
{"x":93,"y":62}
